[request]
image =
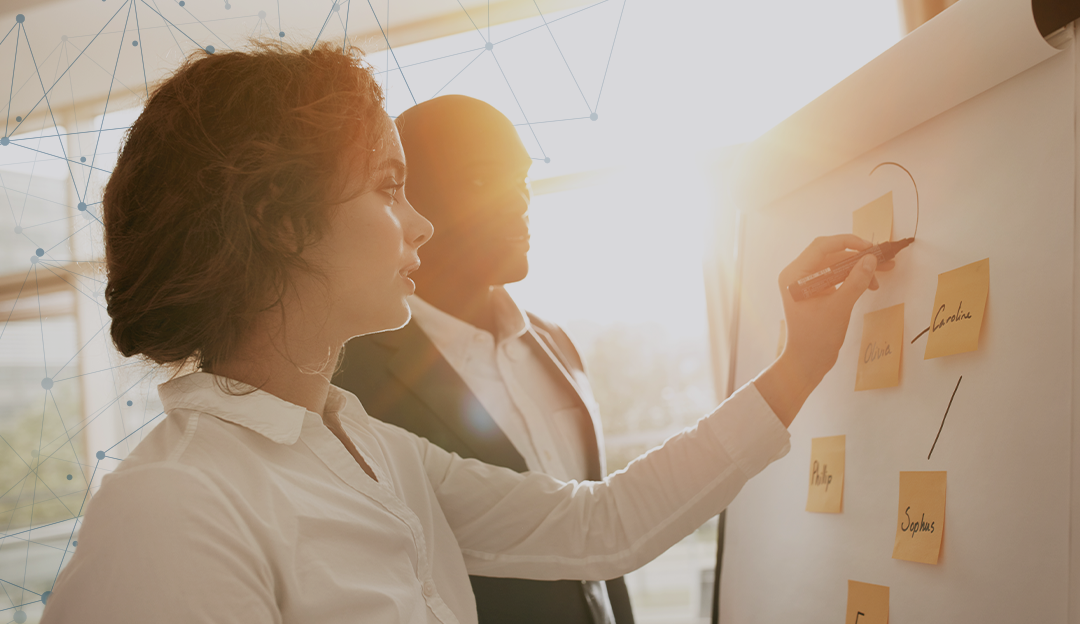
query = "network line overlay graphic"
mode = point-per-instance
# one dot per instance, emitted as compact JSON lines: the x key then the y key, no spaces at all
{"x":73,"y":74}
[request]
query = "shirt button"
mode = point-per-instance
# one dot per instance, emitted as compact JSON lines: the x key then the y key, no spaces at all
{"x":429,"y":589}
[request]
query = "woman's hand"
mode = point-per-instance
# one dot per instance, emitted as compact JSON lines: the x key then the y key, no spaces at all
{"x":816,"y":326}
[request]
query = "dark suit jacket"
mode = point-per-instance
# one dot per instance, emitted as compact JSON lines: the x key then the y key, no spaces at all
{"x":401,"y":378}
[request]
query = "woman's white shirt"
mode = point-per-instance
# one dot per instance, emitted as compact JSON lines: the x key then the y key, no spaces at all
{"x":247,"y":508}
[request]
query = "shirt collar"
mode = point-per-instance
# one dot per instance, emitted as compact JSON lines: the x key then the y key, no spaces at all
{"x":511,"y":320}
{"x":242,"y":404}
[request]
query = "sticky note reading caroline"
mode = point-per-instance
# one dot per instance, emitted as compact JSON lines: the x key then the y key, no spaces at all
{"x":920,"y":520}
{"x":880,"y":350}
{"x":873,"y":221}
{"x":867,"y":603}
{"x":826,"y":475}
{"x":958,"y":310}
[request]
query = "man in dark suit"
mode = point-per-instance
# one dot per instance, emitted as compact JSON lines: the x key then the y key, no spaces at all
{"x":471,"y":372}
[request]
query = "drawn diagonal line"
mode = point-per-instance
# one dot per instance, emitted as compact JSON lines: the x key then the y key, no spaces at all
{"x":563,"y":56}
{"x":8,"y":33}
{"x":98,"y":412}
{"x":562,"y":17}
{"x":67,"y":270}
{"x":67,"y":238}
{"x":142,"y":59}
{"x":64,"y":134}
{"x":27,"y":227}
{"x":30,"y":49}
{"x":325,"y":22}
{"x":69,"y":160}
{"x":173,"y":25}
{"x":4,"y":536}
{"x":108,"y":96}
{"x":30,"y":77}
{"x":392,"y":53}
{"x":459,"y":73}
{"x":71,"y":444}
{"x":945,"y":416}
{"x":49,"y":269}
{"x":537,"y":139}
{"x":471,"y":21}
{"x":85,"y":342}
{"x":387,"y":71}
{"x":19,"y":586}
{"x":920,"y":335}
{"x":76,"y":523}
{"x":168,"y":30}
{"x":536,"y":123}
{"x":83,"y":51}
{"x":133,"y":432}
{"x":610,"y":54}
{"x":103,"y":370}
{"x":41,"y":323}
{"x":345,"y":37}
{"x":15,"y":303}
{"x":12,"y":92}
{"x":33,"y":470}
{"x":223,"y":42}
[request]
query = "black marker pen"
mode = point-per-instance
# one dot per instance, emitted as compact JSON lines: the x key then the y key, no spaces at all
{"x":830,"y":276}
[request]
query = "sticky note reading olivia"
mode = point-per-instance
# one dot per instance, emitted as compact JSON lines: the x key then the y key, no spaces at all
{"x":880,"y":350}
{"x":873,"y":221}
{"x":958,"y":310}
{"x":867,"y":603}
{"x":826,"y":475}
{"x":920,"y":520}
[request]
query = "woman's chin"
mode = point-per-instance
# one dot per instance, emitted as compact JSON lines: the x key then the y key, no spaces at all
{"x":394,"y":320}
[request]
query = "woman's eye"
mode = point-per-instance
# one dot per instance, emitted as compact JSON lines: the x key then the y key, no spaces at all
{"x":392,"y":191}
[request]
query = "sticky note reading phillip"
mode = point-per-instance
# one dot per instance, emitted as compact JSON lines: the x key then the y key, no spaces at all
{"x":867,"y":603}
{"x":920,"y":520}
{"x":873,"y":222}
{"x":958,"y":310}
{"x":826,"y":475}
{"x":880,"y":350}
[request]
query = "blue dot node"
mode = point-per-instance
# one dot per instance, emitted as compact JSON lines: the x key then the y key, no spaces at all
{"x":75,"y":543}
{"x":4,"y":140}
{"x":336,"y":7}
{"x":34,"y":259}
{"x":18,"y":229}
{"x":281,"y":34}
{"x":135,"y":43}
{"x":82,"y":206}
{"x":129,"y":403}
{"x":181,"y":2}
{"x":47,"y":383}
{"x":227,"y":6}
{"x":100,"y":455}
{"x":20,"y":615}
{"x":45,"y":597}
{"x":489,"y":45}
{"x":18,"y":118}
{"x":594,"y":116}
{"x":546,"y":159}
{"x":209,"y":49}
{"x":63,"y":38}
{"x":262,"y":14}
{"x":82,"y":158}
{"x":33,"y":453}
{"x":20,"y":18}
{"x":40,"y":252}
{"x":69,"y":477}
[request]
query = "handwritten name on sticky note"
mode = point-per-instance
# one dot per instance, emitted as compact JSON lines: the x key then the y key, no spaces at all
{"x":873,"y":222}
{"x":826,"y":475}
{"x":920,"y":520}
{"x":958,"y":310}
{"x":880,"y":350}
{"x":867,"y":603}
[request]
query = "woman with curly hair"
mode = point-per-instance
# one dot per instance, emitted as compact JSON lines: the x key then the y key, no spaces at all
{"x":255,"y":221}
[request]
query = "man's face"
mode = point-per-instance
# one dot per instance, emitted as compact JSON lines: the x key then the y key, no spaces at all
{"x":481,"y":216}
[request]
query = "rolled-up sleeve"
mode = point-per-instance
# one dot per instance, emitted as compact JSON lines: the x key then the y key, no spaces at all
{"x":533,"y":526}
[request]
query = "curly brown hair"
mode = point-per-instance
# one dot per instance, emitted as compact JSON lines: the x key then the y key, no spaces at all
{"x":224,"y":179}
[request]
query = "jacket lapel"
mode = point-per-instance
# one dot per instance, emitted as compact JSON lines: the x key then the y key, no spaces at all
{"x":561,"y":367}
{"x":427,"y":374}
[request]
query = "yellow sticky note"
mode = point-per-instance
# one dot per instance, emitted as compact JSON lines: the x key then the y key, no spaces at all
{"x":873,"y":221}
{"x":920,"y":520}
{"x":867,"y":603}
{"x":958,"y":310}
{"x":826,"y":475}
{"x":880,"y":350}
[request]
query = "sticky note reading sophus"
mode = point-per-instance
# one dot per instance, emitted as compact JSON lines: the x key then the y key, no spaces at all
{"x":867,"y":603}
{"x":958,"y":310}
{"x":880,"y":350}
{"x":920,"y":520}
{"x":826,"y":475}
{"x":873,"y":222}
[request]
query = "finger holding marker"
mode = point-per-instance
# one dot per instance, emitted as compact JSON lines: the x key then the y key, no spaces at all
{"x":816,"y":325}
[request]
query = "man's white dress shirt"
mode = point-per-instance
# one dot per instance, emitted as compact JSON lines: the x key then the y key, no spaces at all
{"x":541,"y":416}
{"x":247,"y":508}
